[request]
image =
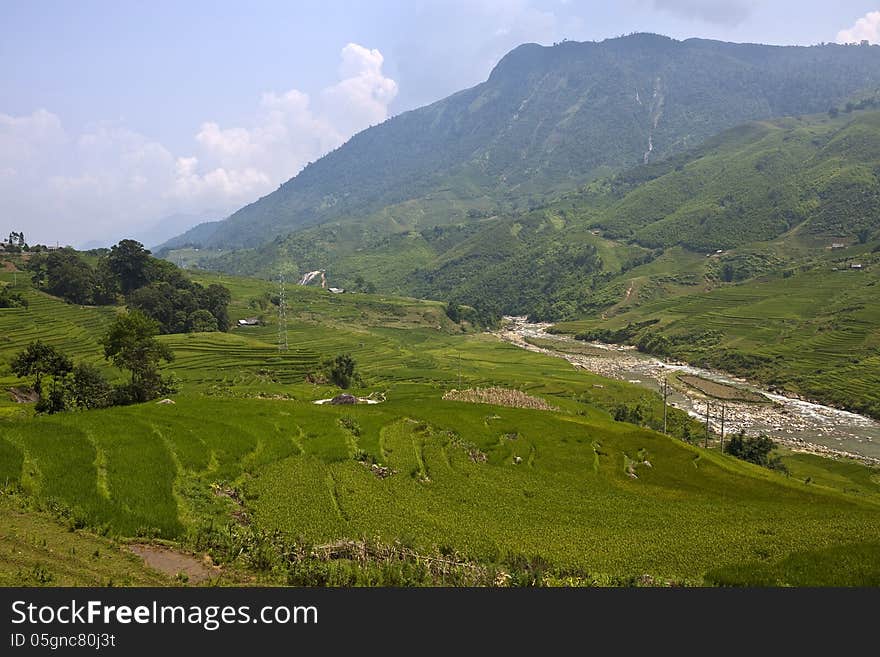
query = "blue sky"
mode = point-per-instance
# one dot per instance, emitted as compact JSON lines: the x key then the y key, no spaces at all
{"x":115,"y":114}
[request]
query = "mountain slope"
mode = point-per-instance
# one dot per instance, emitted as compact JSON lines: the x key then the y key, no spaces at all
{"x":805,"y":182}
{"x":547,"y":119}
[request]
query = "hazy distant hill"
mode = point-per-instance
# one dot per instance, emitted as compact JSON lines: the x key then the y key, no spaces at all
{"x":163,"y":230}
{"x":547,"y":119}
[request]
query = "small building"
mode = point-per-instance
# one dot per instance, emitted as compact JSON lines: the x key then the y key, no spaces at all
{"x":336,"y":290}
{"x":856,"y":265}
{"x":838,"y":245}
{"x":249,"y":321}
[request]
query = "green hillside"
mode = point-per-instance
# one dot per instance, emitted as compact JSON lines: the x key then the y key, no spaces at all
{"x":726,"y":249}
{"x":568,"y":494}
{"x":546,"y":120}
{"x":809,"y":181}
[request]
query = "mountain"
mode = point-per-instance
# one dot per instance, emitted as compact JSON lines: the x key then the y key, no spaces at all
{"x":805,"y":182}
{"x":196,"y":235}
{"x":547,"y":120}
{"x":154,"y":235}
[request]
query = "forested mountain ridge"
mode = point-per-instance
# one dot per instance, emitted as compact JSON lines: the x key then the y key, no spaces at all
{"x":546,"y":120}
{"x":773,"y":195}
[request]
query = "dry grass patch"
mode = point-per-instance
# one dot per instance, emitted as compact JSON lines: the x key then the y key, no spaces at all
{"x":499,"y":397}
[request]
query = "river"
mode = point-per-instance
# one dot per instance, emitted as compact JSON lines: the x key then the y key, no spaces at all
{"x":796,"y":423}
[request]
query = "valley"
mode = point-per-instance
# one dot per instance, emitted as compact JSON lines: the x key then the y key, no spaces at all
{"x":244,"y":467}
{"x":437,"y":355}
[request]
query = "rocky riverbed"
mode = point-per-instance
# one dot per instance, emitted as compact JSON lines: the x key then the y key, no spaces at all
{"x":796,"y":423}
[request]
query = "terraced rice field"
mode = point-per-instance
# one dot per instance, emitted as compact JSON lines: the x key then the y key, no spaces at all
{"x":571,"y":486}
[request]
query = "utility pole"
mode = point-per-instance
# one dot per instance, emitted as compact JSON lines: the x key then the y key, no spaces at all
{"x":706,"y":443}
{"x":665,"y":394}
{"x":282,"y":315}
{"x":723,"y":409}
{"x":459,"y":369}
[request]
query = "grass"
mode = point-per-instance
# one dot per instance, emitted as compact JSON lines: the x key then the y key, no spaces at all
{"x":486,"y":481}
{"x":39,"y":551}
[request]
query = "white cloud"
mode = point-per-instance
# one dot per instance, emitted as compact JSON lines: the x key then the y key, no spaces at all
{"x":363,"y":93}
{"x":110,"y":179}
{"x":866,"y":28}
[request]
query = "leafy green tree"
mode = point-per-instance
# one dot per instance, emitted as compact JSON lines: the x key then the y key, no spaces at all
{"x":727,"y":272}
{"x":864,"y":235}
{"x":106,"y":284}
{"x":39,"y":360}
{"x":131,"y":264}
{"x":341,"y":371}
{"x":69,"y":277}
{"x":88,"y":388}
{"x":453,"y":311}
{"x":131,"y":345}
{"x":11,"y":299}
{"x":754,"y":449}
{"x":216,"y":300}
{"x":202,"y":321}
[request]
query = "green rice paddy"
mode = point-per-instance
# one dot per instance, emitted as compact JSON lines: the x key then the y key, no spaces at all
{"x":573,"y":487}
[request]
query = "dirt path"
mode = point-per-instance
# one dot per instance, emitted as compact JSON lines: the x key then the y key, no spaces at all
{"x":23,"y":396}
{"x":172,"y":563}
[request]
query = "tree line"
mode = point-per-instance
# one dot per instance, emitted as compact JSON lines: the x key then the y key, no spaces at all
{"x":129,"y":272}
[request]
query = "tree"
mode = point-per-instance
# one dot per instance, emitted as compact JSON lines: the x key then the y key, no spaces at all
{"x":131,"y":345}
{"x":131,"y":263}
{"x":864,"y":235}
{"x":106,"y":284}
{"x":727,"y":272}
{"x":88,"y":388}
{"x":11,"y":299}
{"x":39,"y":360}
{"x":341,"y":370}
{"x":754,"y":449}
{"x":69,"y":277}
{"x":453,"y":312}
{"x":201,"y":321}
{"x":216,"y":299}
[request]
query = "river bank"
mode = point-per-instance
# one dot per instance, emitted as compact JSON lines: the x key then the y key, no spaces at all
{"x":799,"y":424}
